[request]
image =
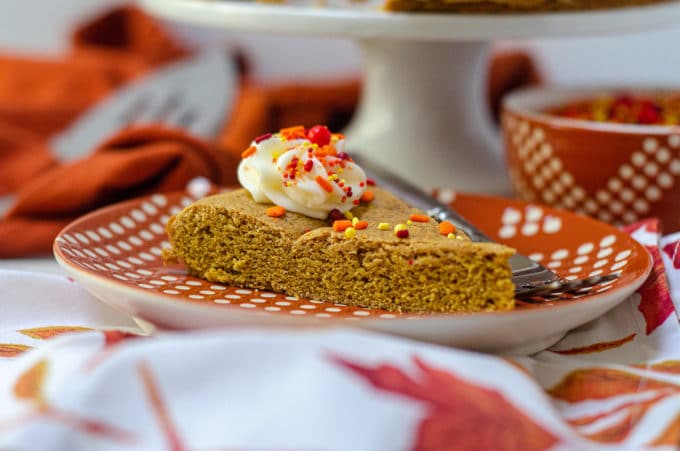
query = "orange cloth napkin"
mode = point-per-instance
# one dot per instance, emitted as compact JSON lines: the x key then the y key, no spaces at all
{"x":38,"y":97}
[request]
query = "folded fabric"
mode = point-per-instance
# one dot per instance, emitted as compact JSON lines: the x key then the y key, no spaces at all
{"x":40,"y":97}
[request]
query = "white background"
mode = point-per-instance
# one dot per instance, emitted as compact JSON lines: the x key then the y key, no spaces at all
{"x":640,"y":58}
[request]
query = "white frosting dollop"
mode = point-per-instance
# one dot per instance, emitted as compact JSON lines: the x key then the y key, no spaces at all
{"x":279,"y":172}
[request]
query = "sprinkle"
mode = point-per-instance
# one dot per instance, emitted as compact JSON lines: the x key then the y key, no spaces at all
{"x":410,"y":261}
{"x":248,"y":152}
{"x":370,"y":182}
{"x":355,"y":201}
{"x":419,"y":218}
{"x":361,"y":225}
{"x":261,"y":138}
{"x":348,"y":214}
{"x":309,"y":164}
{"x":335,"y":215}
{"x":343,"y":155}
{"x":384,"y":226}
{"x":451,"y":235}
{"x":354,"y":221}
{"x":368,"y":196}
{"x":295,"y":132}
{"x":323,"y":183}
{"x":276,"y":211}
{"x":402,"y":233}
{"x":319,"y":134}
{"x":400,"y":227}
{"x":409,"y":222}
{"x":341,"y":225}
{"x":445,"y":228}
{"x":350,"y":232}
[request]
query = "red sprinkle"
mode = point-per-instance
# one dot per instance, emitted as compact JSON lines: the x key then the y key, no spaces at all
{"x":370,"y":182}
{"x":402,"y":233}
{"x":410,"y":260}
{"x":309,"y":164}
{"x":261,"y":138}
{"x":343,"y":155}
{"x":355,"y":201}
{"x":335,"y":215}
{"x":319,"y":134}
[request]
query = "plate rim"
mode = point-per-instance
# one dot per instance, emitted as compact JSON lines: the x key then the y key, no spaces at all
{"x":65,"y":262}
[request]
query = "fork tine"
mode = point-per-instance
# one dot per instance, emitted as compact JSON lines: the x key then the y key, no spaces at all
{"x":166,"y":107}
{"x":135,"y":109}
{"x":564,"y":286}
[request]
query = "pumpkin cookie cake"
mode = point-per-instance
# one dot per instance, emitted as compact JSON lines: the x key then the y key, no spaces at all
{"x":309,"y":223}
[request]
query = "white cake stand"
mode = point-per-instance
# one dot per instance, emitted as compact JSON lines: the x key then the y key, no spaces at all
{"x":423,"y":111}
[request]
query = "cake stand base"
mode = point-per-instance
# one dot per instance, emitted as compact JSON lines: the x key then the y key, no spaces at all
{"x":424,"y":115}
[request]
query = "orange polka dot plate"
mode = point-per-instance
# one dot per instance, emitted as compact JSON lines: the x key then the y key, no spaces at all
{"x":115,"y":253}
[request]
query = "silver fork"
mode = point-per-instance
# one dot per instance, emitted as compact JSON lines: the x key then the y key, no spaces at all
{"x":195,"y":94}
{"x":530,"y":278}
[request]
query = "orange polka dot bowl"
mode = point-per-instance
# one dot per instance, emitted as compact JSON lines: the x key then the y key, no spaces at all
{"x":616,"y":172}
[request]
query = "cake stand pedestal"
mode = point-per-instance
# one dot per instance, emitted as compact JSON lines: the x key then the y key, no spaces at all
{"x":423,"y":112}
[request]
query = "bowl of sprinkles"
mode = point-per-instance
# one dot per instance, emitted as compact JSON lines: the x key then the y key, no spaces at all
{"x":613,"y":154}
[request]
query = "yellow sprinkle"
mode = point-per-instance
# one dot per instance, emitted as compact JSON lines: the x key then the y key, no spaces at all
{"x":350,"y":232}
{"x":289,"y":183}
{"x":399,"y":227}
{"x":297,"y":173}
{"x":340,"y":172}
{"x":459,"y":237}
{"x":355,"y":220}
{"x":409,"y":222}
{"x":275,"y":155}
{"x":383,"y":226}
{"x":348,"y":214}
{"x":451,"y":235}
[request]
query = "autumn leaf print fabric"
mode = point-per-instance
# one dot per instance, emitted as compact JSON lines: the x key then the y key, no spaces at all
{"x":76,"y":375}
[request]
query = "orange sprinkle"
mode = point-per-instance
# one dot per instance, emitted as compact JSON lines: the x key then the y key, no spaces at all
{"x":445,"y":227}
{"x":276,"y":211}
{"x":419,"y":218}
{"x":368,"y":196}
{"x":323,"y":183}
{"x":361,"y":225}
{"x":341,"y":225}
{"x":295,"y":132}
{"x":325,"y":151}
{"x":248,"y":152}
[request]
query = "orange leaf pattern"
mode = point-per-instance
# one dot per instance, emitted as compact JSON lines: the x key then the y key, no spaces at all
{"x":671,"y":436}
{"x":596,"y":347}
{"x":43,"y":333}
{"x":602,"y":383}
{"x":29,"y":385}
{"x":460,"y":415}
{"x":606,"y":384}
{"x":11,"y":350}
{"x":668,"y":366}
{"x":656,"y":304}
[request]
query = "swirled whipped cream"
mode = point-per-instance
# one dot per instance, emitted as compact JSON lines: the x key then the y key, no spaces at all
{"x":305,"y":171}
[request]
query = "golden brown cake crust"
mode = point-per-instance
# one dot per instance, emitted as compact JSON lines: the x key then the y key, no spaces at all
{"x":510,"y":6}
{"x":229,"y":238}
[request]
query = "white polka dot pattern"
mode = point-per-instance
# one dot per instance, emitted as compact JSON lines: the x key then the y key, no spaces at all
{"x":624,"y":198}
{"x":124,"y":245}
